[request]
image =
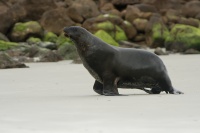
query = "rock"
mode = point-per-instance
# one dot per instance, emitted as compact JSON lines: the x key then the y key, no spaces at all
{"x":183,"y":37}
{"x":21,"y":31}
{"x":10,"y":16}
{"x":129,"y":29}
{"x":7,"y":62}
{"x":85,"y":8}
{"x":6,"y":21}
{"x":198,"y":16}
{"x":74,"y":15}
{"x":60,"y":16}
{"x":115,"y":31}
{"x":163,"y":5}
{"x":63,"y":40}
{"x":50,"y":37}
{"x":127,"y":44}
{"x":139,"y":37}
{"x":33,"y":40}
{"x":191,"y":51}
{"x":140,"y":24}
{"x":106,"y":37}
{"x":7,"y":45}
{"x":77,"y":61}
{"x":110,"y":9}
{"x":173,"y":15}
{"x":112,"y":24}
{"x":132,"y":12}
{"x":191,"y":9}
{"x":68,"y":52}
{"x":35,"y":9}
{"x":48,"y":45}
{"x":39,"y":54}
{"x":3,"y":37}
{"x":146,"y":8}
{"x":160,"y":51}
{"x":189,"y":21}
{"x":156,"y":32}
{"x":49,"y":56}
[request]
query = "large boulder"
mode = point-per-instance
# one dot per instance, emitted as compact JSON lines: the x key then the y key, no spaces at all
{"x":21,"y":31}
{"x":35,"y":8}
{"x":54,"y":20}
{"x":183,"y":37}
{"x":140,"y":24}
{"x":83,"y":9}
{"x":10,"y":16}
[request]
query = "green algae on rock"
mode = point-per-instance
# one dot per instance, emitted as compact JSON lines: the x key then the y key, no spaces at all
{"x":33,"y":40}
{"x":159,"y":33}
{"x":183,"y":37}
{"x":21,"y":31}
{"x":115,"y":31}
{"x":50,"y":37}
{"x":7,"y":45}
{"x":106,"y":37}
{"x":63,"y":40}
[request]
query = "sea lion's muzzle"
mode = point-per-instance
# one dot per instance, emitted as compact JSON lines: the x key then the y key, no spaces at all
{"x":66,"y":32}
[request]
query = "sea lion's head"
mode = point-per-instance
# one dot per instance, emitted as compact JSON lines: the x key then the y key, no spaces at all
{"x":76,"y":33}
{"x":82,"y":38}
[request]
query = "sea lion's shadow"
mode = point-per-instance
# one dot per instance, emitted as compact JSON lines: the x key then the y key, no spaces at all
{"x":120,"y":95}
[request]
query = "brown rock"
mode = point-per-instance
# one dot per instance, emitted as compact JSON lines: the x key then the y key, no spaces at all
{"x":146,"y":8}
{"x":74,"y":14}
{"x":110,"y":9}
{"x":54,"y":20}
{"x":132,"y":13}
{"x":189,"y":21}
{"x":191,"y":9}
{"x":140,"y":24}
{"x":35,"y":8}
{"x":10,"y":16}
{"x":173,"y":15}
{"x":85,"y":8}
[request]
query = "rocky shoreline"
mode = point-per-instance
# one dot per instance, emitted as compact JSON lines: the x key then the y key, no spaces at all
{"x":31,"y":31}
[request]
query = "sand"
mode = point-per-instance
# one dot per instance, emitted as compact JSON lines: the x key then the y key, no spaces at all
{"x":58,"y":98}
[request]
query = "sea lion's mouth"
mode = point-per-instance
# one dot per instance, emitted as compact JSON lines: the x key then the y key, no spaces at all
{"x":66,"y":35}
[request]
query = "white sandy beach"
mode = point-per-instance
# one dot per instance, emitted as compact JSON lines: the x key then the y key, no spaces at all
{"x":58,"y":98}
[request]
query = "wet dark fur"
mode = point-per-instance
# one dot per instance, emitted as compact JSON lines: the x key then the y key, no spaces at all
{"x":115,"y":67}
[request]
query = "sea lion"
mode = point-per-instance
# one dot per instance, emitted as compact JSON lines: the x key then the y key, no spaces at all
{"x":115,"y":67}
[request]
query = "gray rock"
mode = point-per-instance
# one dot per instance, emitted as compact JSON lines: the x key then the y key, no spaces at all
{"x":48,"y":45}
{"x":7,"y":62}
{"x":3,"y":37}
{"x":160,"y":51}
{"x":191,"y":51}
